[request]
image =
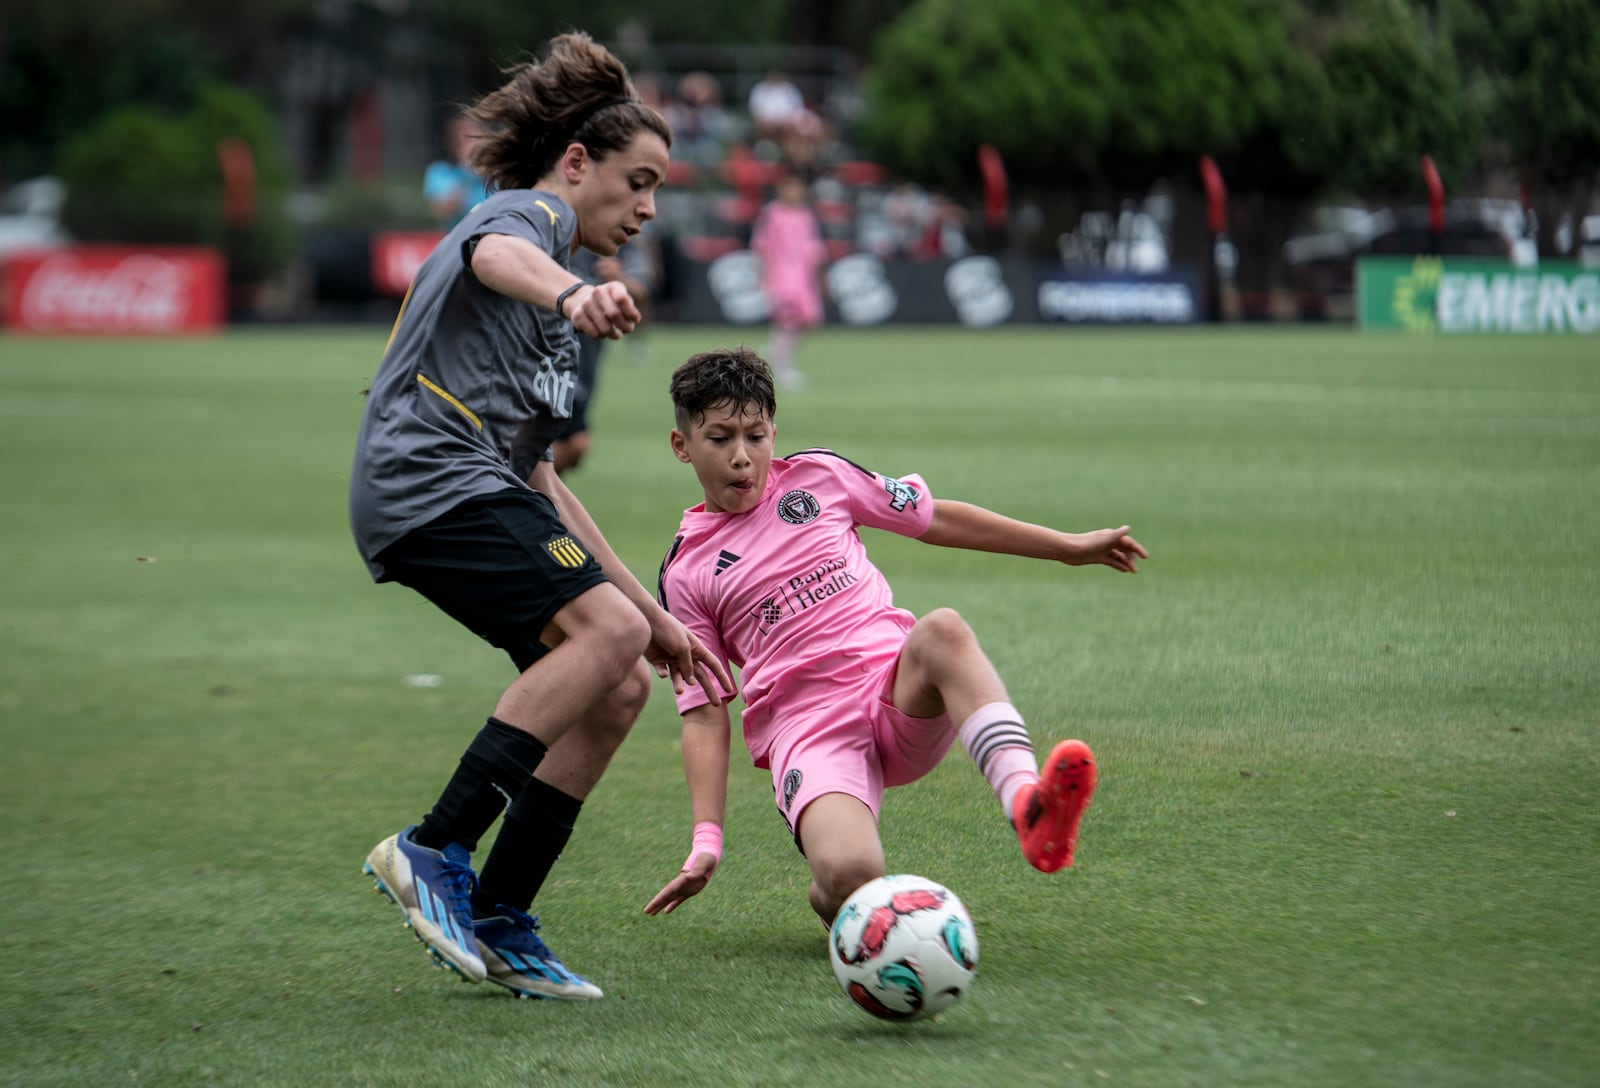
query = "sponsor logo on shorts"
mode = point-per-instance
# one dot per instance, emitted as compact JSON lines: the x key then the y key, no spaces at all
{"x":567,"y":552}
{"x":801,"y":592}
{"x":791,"y":786}
{"x":901,"y":494}
{"x":799,"y":507}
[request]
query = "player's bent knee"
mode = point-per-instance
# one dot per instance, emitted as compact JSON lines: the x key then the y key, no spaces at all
{"x":940,"y":633}
{"x":945,"y":624}
{"x":610,"y":725}
{"x":626,"y":629}
{"x":634,"y":691}
{"x":612,"y":633}
{"x":839,"y":879}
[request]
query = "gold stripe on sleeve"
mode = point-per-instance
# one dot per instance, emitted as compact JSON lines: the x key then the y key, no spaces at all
{"x":457,"y":405}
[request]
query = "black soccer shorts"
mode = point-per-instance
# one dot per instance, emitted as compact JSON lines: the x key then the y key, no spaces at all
{"x":502,"y":565}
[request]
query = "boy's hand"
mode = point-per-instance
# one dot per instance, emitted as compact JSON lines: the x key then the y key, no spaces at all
{"x":675,"y":652}
{"x":1112,"y":547}
{"x":690,"y":882}
{"x":603,"y":311}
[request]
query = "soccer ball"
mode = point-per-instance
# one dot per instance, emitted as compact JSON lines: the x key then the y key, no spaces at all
{"x":903,"y":947}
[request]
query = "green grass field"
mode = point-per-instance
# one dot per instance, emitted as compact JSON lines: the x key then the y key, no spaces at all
{"x":1346,"y":717}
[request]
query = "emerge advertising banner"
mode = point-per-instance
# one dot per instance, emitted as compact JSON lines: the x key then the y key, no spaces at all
{"x":1456,"y":295}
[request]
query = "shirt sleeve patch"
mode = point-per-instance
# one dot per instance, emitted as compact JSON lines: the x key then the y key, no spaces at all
{"x":901,"y":494}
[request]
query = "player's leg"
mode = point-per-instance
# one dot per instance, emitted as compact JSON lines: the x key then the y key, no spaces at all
{"x":839,"y":835}
{"x":536,"y":828}
{"x":504,"y":567}
{"x":827,"y":782}
{"x":942,"y":667}
{"x":601,"y":638}
{"x":786,"y":329}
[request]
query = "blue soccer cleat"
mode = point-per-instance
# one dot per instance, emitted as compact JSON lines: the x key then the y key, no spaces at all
{"x":434,"y":889}
{"x":518,"y":960}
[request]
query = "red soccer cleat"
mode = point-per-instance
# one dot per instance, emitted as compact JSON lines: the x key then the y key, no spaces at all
{"x":1046,"y":814}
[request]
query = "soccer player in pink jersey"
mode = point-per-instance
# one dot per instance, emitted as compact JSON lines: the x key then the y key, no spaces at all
{"x":845,"y":694}
{"x":788,"y":239}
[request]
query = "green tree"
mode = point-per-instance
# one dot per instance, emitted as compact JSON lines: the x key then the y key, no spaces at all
{"x":1540,"y":62}
{"x":143,"y":174}
{"x":1291,"y":99}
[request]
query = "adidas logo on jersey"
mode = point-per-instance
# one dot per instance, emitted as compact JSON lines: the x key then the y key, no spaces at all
{"x":725,"y":559}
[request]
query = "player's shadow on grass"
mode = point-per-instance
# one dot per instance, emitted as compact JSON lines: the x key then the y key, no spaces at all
{"x":945,"y":1030}
{"x":789,"y":945}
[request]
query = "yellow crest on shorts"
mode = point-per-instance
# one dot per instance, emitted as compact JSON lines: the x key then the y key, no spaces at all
{"x":566,"y":551}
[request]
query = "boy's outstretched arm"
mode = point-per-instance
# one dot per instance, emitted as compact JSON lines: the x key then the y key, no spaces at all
{"x":964,"y":525}
{"x":706,"y":740}
{"x":674,"y":652}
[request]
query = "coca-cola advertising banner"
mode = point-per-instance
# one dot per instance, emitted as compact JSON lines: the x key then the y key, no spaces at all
{"x":149,"y":290}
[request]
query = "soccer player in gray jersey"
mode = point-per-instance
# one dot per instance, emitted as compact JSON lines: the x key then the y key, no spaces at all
{"x":453,"y":494}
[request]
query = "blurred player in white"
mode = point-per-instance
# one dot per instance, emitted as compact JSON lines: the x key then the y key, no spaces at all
{"x":845,"y":694}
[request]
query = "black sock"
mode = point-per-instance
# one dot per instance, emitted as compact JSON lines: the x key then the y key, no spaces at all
{"x":494,"y":770}
{"x":536,"y":827}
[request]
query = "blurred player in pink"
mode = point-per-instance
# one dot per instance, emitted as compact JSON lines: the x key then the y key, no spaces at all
{"x":845,"y":694}
{"x":788,"y":239}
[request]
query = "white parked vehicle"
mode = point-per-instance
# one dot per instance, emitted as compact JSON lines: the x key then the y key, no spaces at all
{"x":30,"y":215}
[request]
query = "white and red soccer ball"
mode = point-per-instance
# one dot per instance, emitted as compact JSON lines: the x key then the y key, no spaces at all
{"x":904,"y":948}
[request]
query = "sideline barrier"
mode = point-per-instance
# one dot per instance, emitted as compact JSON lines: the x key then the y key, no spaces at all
{"x":861,"y":290}
{"x":1452,"y":296}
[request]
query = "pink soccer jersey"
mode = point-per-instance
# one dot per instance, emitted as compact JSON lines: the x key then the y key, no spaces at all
{"x":785,"y":591}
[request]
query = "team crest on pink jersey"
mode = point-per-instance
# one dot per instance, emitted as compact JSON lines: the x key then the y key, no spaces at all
{"x":798,"y":507}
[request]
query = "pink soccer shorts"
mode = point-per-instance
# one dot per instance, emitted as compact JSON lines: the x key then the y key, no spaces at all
{"x":851,"y":739}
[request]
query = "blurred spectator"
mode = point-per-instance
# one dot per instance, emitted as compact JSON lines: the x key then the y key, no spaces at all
{"x":946,"y":234}
{"x":802,"y":148}
{"x":915,"y":224}
{"x":700,"y":125}
{"x":788,"y":239}
{"x":648,"y":86}
{"x":451,"y":186}
{"x":775,"y":105}
{"x":637,"y":267}
{"x":906,"y":210}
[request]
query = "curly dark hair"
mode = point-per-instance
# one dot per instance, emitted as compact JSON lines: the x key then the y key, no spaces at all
{"x":735,"y":376}
{"x":578,"y":92}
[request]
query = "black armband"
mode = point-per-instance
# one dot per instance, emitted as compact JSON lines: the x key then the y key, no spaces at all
{"x":563,"y":296}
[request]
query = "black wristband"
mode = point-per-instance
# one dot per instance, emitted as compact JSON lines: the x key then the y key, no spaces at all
{"x":563,"y":296}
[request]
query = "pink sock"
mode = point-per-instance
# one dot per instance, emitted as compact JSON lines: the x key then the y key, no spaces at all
{"x":782,"y":348}
{"x":998,"y":743}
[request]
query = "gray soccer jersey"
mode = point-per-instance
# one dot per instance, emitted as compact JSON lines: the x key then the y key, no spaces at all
{"x":473,"y":386}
